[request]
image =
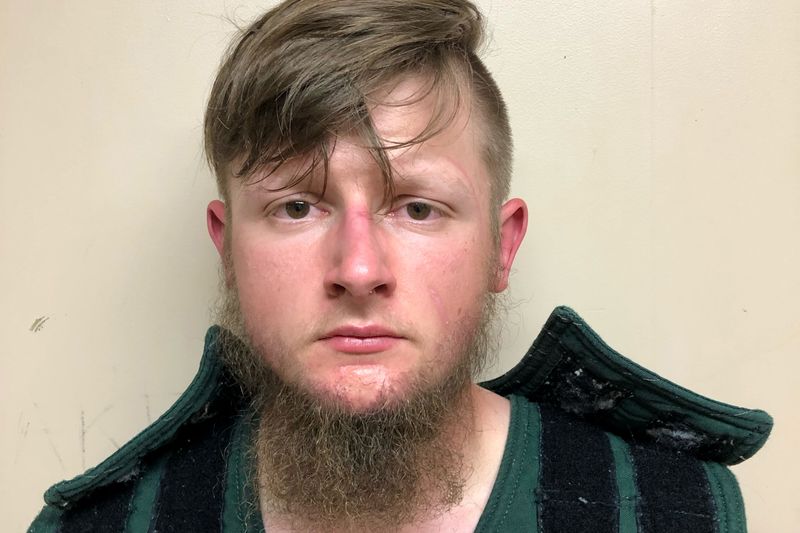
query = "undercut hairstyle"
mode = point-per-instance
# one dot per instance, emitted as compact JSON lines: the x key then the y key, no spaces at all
{"x":308,"y":71}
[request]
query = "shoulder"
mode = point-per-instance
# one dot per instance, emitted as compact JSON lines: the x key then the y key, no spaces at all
{"x":569,"y":367}
{"x":617,"y":445}
{"x":179,"y":470}
{"x":602,"y":482}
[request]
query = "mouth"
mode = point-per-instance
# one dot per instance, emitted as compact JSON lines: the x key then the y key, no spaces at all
{"x":365,"y":339}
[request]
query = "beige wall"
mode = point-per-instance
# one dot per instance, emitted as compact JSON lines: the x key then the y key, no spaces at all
{"x":658,"y":147}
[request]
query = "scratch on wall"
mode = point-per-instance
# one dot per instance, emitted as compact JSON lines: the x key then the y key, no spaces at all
{"x":91,"y":423}
{"x":46,"y":432}
{"x":53,"y":447}
{"x":38,"y":324}
{"x":23,"y":426}
{"x":83,"y":440}
{"x":147,"y":407}
{"x":652,"y":102}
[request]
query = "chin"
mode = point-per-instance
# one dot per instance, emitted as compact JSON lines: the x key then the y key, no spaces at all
{"x":364,"y":403}
{"x":363,"y":388}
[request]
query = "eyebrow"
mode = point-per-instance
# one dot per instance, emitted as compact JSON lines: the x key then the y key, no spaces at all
{"x":424,"y":173}
{"x":417,"y":173}
{"x":277,"y":182}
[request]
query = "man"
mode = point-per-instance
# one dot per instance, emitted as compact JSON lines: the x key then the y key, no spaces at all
{"x":363,"y":158}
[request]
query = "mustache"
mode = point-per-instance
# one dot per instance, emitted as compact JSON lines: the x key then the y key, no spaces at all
{"x":362,"y":326}
{"x":362,"y":331}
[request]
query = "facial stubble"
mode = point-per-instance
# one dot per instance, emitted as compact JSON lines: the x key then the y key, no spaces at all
{"x":322,"y":465}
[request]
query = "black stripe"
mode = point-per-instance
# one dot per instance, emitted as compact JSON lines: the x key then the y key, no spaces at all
{"x":674,"y":495}
{"x":192,"y":490}
{"x":577,"y":488}
{"x":103,"y":511}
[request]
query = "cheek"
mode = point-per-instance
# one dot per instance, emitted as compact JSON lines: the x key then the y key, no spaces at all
{"x":267,"y":280}
{"x":456,"y":283}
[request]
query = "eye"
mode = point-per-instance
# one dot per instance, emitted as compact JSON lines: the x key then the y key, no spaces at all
{"x":297,"y":209}
{"x":418,"y":210}
{"x":294,"y":210}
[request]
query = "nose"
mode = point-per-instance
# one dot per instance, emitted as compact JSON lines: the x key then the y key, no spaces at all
{"x":360,"y":265}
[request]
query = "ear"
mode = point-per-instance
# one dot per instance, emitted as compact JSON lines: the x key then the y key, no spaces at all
{"x":215,"y":218}
{"x":513,"y":224}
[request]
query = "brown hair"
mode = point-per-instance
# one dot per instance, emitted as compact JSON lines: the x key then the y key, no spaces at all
{"x":305,"y":71}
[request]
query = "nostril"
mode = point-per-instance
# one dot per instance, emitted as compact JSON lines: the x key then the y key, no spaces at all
{"x":336,"y":290}
{"x":383,"y":288}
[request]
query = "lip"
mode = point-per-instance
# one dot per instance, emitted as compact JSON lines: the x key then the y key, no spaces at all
{"x":365,"y":339}
{"x":361,"y":332}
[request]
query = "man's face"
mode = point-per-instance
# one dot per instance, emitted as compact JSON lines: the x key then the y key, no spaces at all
{"x":355,"y":302}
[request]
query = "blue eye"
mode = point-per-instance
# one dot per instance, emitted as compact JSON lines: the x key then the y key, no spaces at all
{"x":418,"y":210}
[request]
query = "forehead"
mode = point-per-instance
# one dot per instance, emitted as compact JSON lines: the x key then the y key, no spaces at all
{"x":412,"y":106}
{"x":421,"y":127}
{"x":426,"y":135}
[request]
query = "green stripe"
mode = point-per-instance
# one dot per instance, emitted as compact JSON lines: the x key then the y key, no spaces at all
{"x":534,"y":434}
{"x":241,"y":513}
{"x":727,"y":499}
{"x":144,"y":497}
{"x":626,"y":484}
{"x":512,"y":506}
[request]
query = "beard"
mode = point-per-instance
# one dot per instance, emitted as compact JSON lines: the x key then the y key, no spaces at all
{"x":323,"y":466}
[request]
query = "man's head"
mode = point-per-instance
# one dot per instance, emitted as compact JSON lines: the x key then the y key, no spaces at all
{"x":362,"y":151}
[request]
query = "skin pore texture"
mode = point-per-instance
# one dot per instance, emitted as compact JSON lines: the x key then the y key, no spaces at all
{"x":363,"y":325}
